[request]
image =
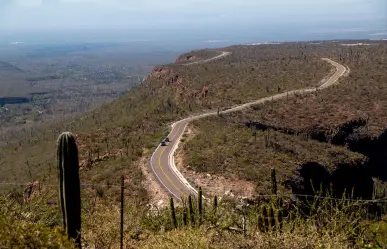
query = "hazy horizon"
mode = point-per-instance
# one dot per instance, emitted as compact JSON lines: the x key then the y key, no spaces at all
{"x":195,"y":21}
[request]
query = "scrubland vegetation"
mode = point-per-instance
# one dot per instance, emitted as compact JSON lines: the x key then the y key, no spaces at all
{"x":338,"y":132}
{"x":293,"y":135}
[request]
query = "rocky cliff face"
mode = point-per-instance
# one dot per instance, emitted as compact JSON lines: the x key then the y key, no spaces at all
{"x":166,"y":75}
{"x":173,"y":78}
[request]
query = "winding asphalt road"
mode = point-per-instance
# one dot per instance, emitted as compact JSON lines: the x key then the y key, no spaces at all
{"x":162,"y":160}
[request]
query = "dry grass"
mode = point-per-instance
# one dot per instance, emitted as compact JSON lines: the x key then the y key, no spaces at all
{"x":308,"y":237}
{"x":326,"y":224}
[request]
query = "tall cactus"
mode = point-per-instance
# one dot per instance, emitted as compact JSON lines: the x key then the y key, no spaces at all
{"x":270,"y":218}
{"x":273,"y":179}
{"x":200,"y":204}
{"x":191,"y":211}
{"x":273,"y":182}
{"x":265,"y":222}
{"x":279,"y":213}
{"x":278,"y":219}
{"x":261,"y":221}
{"x":173,"y":214}
{"x":69,"y":186}
{"x":215,"y":204}
{"x":184,"y":212}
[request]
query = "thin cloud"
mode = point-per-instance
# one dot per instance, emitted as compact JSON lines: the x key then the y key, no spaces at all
{"x":174,"y":14}
{"x":378,"y":34}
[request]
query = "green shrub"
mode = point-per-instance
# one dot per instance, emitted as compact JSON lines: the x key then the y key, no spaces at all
{"x":24,"y":227}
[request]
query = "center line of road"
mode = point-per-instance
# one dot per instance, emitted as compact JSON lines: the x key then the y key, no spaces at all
{"x":169,"y":179}
{"x":173,"y":133}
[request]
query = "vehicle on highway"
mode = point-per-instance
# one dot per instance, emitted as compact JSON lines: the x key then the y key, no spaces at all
{"x":167,"y":139}
{"x":163,"y":143}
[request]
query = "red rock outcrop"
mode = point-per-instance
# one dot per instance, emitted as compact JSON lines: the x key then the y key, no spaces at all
{"x":165,"y":74}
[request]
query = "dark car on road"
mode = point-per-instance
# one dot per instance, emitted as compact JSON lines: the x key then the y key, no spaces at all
{"x":167,"y":139}
{"x":163,"y":143}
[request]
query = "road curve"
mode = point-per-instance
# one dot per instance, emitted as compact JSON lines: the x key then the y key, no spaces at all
{"x":223,"y":54}
{"x":162,"y":160}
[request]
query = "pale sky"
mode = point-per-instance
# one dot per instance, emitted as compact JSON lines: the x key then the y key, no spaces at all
{"x":312,"y":15}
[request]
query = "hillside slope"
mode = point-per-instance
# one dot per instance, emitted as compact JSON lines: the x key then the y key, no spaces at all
{"x":337,"y":132}
{"x":115,"y":139}
{"x":116,"y":135}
